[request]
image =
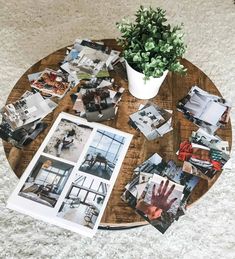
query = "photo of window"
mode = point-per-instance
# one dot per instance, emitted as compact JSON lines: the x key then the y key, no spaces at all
{"x":84,"y":201}
{"x":46,"y":181}
{"x":103,"y":154}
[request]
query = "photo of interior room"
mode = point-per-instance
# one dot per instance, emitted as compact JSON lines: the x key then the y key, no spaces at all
{"x":46,"y":181}
{"x":84,"y":201}
{"x":102,"y":154}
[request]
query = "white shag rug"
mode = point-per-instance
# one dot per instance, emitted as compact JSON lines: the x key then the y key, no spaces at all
{"x":30,"y":30}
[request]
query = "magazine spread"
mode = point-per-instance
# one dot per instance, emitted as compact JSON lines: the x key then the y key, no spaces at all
{"x":69,"y":180}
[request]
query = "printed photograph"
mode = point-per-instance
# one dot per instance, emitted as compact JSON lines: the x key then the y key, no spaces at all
{"x":204,"y":109}
{"x":78,"y":105}
{"x":143,"y":173}
{"x":219,"y":149}
{"x":207,"y":161}
{"x":88,"y":63}
{"x":102,"y":155}
{"x":162,"y":221}
{"x":51,"y":82}
{"x":46,"y":181}
{"x":96,"y":82}
{"x":191,"y":169}
{"x":23,"y":135}
{"x":27,"y":110}
{"x":84,"y":200}
{"x":203,"y":138}
{"x":94,"y":45}
{"x":163,"y":195}
{"x":152,"y":121}
{"x":178,"y":175}
{"x":138,"y":184}
{"x":152,"y":165}
{"x":98,"y":104}
{"x":68,"y":140}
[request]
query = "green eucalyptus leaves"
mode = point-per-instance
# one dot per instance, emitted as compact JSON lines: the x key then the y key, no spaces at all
{"x":150,"y":45}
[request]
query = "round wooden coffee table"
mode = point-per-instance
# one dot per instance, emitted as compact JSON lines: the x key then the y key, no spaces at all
{"x":118,"y":214}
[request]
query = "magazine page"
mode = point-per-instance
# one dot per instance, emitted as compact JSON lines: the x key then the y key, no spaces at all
{"x":69,"y":180}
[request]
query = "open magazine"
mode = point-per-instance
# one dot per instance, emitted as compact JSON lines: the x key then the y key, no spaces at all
{"x":70,"y":178}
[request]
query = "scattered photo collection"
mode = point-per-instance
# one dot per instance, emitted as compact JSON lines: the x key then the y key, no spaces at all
{"x":88,"y":64}
{"x":98,"y":95}
{"x":70,"y":178}
{"x":159,"y":191}
{"x":22,"y":120}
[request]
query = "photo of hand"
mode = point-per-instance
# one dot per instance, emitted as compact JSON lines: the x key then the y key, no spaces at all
{"x":160,"y":196}
{"x":159,"y":200}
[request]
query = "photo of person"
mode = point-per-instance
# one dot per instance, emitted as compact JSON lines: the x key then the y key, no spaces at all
{"x":68,"y":140}
{"x":97,"y":100}
{"x":84,"y":201}
{"x":102,"y":155}
{"x":98,"y":104}
{"x":46,"y":181}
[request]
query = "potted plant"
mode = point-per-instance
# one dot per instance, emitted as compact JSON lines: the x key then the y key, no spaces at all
{"x":151,"y":48}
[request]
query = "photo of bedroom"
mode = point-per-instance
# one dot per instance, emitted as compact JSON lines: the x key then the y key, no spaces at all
{"x":84,"y":201}
{"x":68,"y":140}
{"x":46,"y":181}
{"x":102,"y":154}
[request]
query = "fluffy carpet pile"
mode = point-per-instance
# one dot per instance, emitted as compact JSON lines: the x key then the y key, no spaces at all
{"x":30,"y":30}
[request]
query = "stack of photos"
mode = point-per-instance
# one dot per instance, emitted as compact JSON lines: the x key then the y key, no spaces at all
{"x":203,"y":154}
{"x":51,"y":83}
{"x":21,"y":120}
{"x":205,"y":110}
{"x":97,"y":100}
{"x":152,"y":121}
{"x":87,"y":60}
{"x":159,"y":191}
{"x":70,"y":178}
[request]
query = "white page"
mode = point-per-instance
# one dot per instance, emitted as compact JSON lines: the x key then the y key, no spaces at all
{"x":47,"y":205}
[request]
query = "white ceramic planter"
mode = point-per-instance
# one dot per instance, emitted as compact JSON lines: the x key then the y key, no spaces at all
{"x":140,"y":88}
